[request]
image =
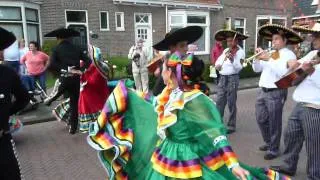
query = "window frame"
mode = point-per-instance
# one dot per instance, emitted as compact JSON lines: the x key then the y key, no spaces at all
{"x":23,"y":22}
{"x":74,"y":22}
{"x":184,"y":23}
{"x":122,"y":28}
{"x":108,"y":25}
{"x":244,"y":29}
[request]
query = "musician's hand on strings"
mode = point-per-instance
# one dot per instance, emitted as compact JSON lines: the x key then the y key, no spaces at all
{"x":157,"y":72}
{"x":230,"y":56}
{"x":293,"y":64}
{"x":218,"y":67}
{"x":308,"y":67}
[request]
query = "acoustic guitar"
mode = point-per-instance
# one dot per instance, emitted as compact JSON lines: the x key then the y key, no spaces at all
{"x":296,"y":76}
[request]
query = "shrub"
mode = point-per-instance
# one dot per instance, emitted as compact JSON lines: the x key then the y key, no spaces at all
{"x":48,"y":45}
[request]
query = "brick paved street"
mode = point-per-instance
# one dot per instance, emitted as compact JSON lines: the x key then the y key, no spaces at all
{"x":48,"y":152}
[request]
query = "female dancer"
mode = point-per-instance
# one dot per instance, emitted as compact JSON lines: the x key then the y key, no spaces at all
{"x":183,"y":137}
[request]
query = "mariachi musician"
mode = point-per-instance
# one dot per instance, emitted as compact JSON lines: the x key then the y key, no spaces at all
{"x":270,"y":100}
{"x":229,"y":65}
{"x":304,"y":122}
{"x":10,"y":86}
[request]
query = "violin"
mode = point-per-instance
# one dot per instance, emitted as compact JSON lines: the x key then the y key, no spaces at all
{"x":231,"y":52}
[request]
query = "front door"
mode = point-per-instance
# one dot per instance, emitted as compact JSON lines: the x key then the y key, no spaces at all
{"x":143,"y":28}
{"x":82,"y":40}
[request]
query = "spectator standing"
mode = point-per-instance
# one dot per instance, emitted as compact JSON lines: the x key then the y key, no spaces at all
{"x":36,"y":63}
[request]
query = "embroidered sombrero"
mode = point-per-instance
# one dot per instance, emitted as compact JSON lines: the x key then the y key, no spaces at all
{"x":223,"y":34}
{"x":189,"y":34}
{"x":266,"y":31}
{"x":7,"y":38}
{"x":314,"y":30}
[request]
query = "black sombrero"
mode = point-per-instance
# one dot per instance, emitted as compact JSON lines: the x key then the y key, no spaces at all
{"x":62,"y":33}
{"x":266,"y":31}
{"x":7,"y":38}
{"x":223,"y":34}
{"x":314,"y":30}
{"x":190,"y":34}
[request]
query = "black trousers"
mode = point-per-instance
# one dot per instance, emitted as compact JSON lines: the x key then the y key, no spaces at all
{"x":159,"y":86}
{"x":9,"y":167}
{"x":71,"y":86}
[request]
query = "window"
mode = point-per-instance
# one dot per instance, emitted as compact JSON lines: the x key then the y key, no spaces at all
{"x":240,"y":26}
{"x":11,"y":19}
{"x":142,"y":19}
{"x":10,"y":14}
{"x":76,"y":16}
{"x":179,"y":19}
{"x":21,"y":19}
{"x":262,"y":20}
{"x":119,"y":17}
{"x":104,"y":20}
{"x":32,"y":24}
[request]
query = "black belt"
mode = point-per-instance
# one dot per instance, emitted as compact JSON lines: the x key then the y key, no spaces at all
{"x":268,"y":89}
{"x":230,"y":75}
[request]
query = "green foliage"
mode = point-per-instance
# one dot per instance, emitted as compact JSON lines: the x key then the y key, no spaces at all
{"x":48,"y":45}
{"x":247,"y":72}
{"x":50,"y":80}
{"x":119,"y":61}
{"x":206,"y":73}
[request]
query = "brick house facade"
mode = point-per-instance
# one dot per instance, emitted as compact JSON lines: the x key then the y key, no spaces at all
{"x":120,"y":22}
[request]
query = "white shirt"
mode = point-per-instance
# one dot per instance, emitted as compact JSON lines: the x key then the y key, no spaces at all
{"x":23,"y":51}
{"x":23,"y":68}
{"x":308,"y":91}
{"x":273,"y":70}
{"x":12,"y":52}
{"x":229,"y":68}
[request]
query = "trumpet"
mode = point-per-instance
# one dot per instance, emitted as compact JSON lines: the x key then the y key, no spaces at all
{"x":249,"y":60}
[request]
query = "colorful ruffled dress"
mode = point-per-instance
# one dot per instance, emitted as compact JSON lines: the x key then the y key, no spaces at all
{"x":178,"y":135}
{"x":93,"y":94}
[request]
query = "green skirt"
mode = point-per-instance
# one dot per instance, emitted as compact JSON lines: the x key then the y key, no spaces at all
{"x":125,"y":137}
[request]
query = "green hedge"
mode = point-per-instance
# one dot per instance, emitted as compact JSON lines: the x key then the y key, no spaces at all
{"x":121,"y":64}
{"x":48,"y":45}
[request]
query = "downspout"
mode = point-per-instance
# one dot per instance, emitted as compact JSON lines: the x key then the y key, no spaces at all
{"x":166,"y":18}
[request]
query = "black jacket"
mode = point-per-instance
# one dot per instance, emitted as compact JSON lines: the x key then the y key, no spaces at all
{"x":66,"y":54}
{"x":10,"y":86}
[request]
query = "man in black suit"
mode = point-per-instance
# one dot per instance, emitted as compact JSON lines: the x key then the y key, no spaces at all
{"x":10,"y":86}
{"x":65,"y":59}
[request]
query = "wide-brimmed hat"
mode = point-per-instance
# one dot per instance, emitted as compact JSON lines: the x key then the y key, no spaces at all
{"x":189,"y":34}
{"x":314,"y":30}
{"x":62,"y":33}
{"x":223,"y":34}
{"x":266,"y":31}
{"x":102,"y":66}
{"x":7,"y":38}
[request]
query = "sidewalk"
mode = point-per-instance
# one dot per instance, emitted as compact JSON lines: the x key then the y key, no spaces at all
{"x":44,"y":113}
